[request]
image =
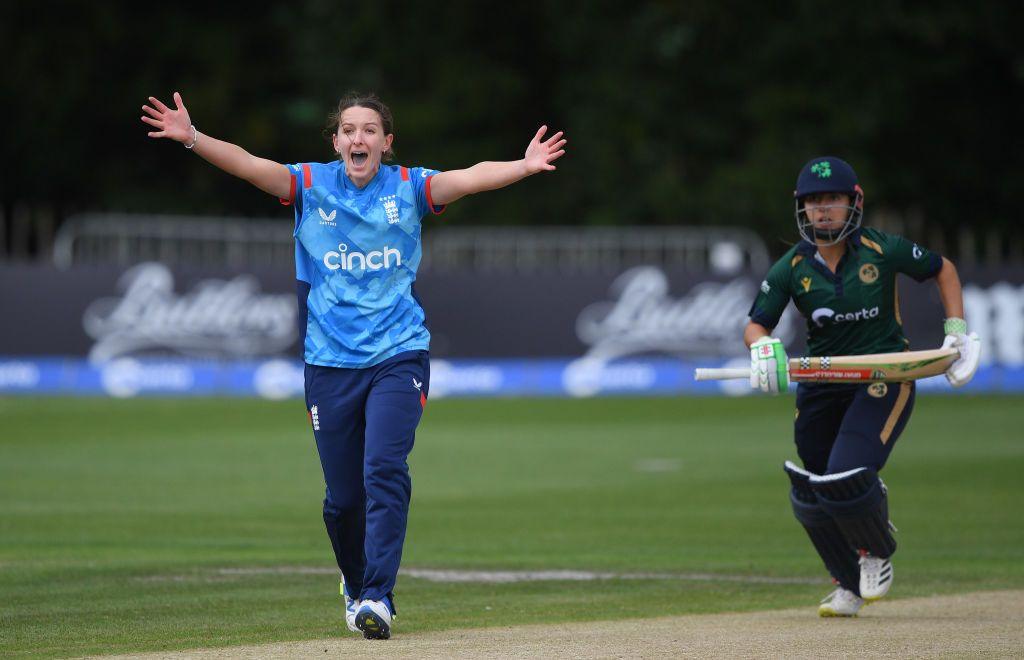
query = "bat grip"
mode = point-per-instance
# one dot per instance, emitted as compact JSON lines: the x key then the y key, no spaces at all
{"x":721,"y":374}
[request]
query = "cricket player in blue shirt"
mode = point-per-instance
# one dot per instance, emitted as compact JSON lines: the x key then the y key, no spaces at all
{"x":367,"y":373}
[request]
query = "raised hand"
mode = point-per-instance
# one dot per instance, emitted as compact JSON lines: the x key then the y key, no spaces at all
{"x":539,"y":155}
{"x":174,"y":124}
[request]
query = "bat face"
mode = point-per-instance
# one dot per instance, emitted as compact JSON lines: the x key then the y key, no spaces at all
{"x":887,"y":367}
{"x":878,"y":368}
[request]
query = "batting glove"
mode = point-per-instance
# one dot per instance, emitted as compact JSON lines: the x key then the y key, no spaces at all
{"x":769,"y":366}
{"x":962,"y":371}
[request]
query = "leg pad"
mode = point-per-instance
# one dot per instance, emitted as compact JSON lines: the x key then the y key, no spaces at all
{"x":857,"y":501}
{"x":838,"y":555}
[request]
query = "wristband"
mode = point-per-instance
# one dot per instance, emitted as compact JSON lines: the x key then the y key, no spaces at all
{"x":195,"y":138}
{"x":954,"y":326}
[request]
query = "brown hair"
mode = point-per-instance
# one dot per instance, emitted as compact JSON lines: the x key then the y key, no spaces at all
{"x":361,"y":100}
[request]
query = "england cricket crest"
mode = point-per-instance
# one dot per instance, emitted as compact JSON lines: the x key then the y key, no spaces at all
{"x":390,"y":203}
{"x":878,"y":390}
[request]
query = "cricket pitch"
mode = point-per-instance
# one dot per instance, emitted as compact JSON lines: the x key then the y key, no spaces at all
{"x":979,"y":624}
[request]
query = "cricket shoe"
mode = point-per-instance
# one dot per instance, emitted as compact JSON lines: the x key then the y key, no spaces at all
{"x":351,"y":606}
{"x":374,"y":618}
{"x":841,"y":602}
{"x":875,"y":576}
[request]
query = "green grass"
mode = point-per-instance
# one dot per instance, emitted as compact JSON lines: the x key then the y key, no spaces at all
{"x":118,"y":518}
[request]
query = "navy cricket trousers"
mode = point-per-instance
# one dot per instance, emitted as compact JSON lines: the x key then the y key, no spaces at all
{"x":364,"y":422}
{"x":840,"y":427}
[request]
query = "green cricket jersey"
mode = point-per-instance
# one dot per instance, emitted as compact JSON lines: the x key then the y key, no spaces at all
{"x":854,"y":311}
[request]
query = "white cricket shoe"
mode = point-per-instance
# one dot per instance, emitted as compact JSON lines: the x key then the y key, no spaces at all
{"x":841,"y":602}
{"x":875,"y":577}
{"x":351,"y":606}
{"x":374,"y":618}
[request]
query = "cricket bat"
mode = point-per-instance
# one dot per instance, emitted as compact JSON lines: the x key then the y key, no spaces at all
{"x":881,"y":367}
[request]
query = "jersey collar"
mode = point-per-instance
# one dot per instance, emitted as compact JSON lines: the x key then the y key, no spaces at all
{"x":349,"y":186}
{"x":810,"y":251}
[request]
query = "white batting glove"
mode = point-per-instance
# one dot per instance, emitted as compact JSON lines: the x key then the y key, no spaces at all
{"x":769,"y":366}
{"x":962,"y":371}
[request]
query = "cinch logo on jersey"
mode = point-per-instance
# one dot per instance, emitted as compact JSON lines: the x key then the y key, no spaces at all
{"x":374,"y":260}
{"x":822,"y":314}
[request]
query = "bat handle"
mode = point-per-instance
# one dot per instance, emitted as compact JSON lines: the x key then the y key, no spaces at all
{"x":720,"y":374}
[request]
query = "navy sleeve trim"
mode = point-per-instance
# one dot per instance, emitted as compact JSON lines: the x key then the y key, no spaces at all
{"x":762,"y":319}
{"x":933,"y":268}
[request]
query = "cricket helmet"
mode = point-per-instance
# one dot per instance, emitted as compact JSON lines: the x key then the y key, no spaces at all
{"x":828,"y":174}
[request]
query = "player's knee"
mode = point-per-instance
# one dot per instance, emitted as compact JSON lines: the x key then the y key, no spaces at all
{"x":856,"y":500}
{"x":387,"y":473}
{"x":828,"y":540}
{"x":849,"y":490}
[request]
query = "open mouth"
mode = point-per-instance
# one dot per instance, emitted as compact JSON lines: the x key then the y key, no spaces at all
{"x":827,"y":220}
{"x":358,"y":158}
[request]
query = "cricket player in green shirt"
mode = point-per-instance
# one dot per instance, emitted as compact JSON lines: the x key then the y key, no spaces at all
{"x":842,"y":279}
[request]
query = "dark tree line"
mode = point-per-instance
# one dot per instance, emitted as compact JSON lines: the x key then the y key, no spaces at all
{"x":677,"y":113}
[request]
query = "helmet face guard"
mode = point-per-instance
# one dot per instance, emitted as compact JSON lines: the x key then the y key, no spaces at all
{"x":828,"y":174}
{"x":854,"y":215}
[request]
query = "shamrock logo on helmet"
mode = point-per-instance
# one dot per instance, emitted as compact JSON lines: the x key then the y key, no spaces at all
{"x":822,"y":169}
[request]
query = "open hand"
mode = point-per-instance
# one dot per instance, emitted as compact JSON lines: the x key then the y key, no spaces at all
{"x":539,"y":155}
{"x":174,"y":124}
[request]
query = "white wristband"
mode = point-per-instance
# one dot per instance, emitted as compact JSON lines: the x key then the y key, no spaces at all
{"x":195,"y":138}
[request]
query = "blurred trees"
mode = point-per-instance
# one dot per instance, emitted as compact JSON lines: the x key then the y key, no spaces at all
{"x":677,"y":113}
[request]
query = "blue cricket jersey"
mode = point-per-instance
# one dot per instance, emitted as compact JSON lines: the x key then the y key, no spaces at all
{"x":356,"y":255}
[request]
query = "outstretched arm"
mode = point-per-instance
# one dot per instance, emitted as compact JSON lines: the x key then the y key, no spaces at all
{"x":446,"y":187}
{"x":176,"y":125}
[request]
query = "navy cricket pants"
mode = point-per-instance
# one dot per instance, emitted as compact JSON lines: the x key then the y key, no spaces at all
{"x":840,"y":427}
{"x":364,"y":422}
